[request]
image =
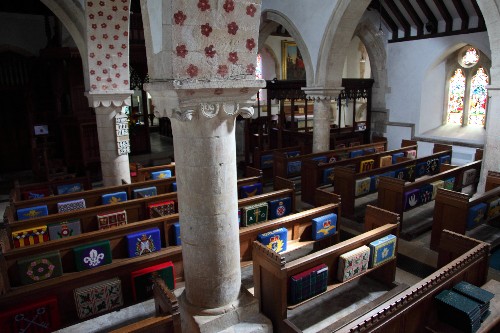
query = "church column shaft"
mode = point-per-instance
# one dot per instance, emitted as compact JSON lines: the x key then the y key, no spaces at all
{"x":321,"y":129}
{"x":491,"y":157}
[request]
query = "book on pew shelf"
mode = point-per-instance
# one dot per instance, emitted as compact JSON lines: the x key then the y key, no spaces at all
{"x":174,"y":187}
{"x":411,"y":199}
{"x":411,"y":154}
{"x":112,"y":198}
{"x":395,"y":157}
{"x":40,"y":316}
{"x":308,"y":283}
{"x":385,"y":161}
{"x":251,"y":190}
{"x":69,"y":188}
{"x":92,"y":255}
{"x":108,"y":220}
{"x":293,"y":168}
{"x":324,"y":226}
{"x":353,"y":263}
{"x":355,"y":153}
{"x":39,"y":267}
{"x":35,"y":193}
{"x":266,"y":161}
{"x":493,"y":207}
{"x":143,"y":242}
{"x":435,"y":185}
{"x":254,"y":214}
{"x":433,"y":166}
{"x":161,"y":174}
{"x":143,"y":280}
{"x":421,"y":169}
{"x":366,"y":165}
{"x":177,"y":234}
{"x":458,"y":311}
{"x":64,"y":229}
{"x":275,"y":240}
{"x":68,"y":206}
{"x":449,"y":183}
{"x":469,"y":177}
{"x":382,"y":250}
{"x":144,"y":192}
{"x":98,"y":298}
{"x":446,"y":159}
{"x":483,"y":297}
{"x":30,"y":236}
{"x":362,"y":186}
{"x":426,"y":193}
{"x":32,"y":212}
{"x":279,"y":207}
{"x":328,"y":176}
{"x":162,"y":208}
{"x":476,"y":214}
{"x":293,"y":153}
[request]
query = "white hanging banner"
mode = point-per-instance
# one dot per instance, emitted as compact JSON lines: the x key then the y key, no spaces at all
{"x":122,"y":135}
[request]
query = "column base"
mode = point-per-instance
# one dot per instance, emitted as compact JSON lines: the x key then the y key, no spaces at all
{"x":240,"y":316}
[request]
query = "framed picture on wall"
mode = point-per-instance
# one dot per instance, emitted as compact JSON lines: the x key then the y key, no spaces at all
{"x":292,"y":64}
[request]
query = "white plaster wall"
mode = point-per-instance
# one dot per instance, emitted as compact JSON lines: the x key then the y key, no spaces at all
{"x":412,"y":68}
{"x":352,"y":67}
{"x":26,"y":32}
{"x":310,"y":19}
{"x":268,"y":65}
{"x":274,"y":43}
{"x":394,"y":136}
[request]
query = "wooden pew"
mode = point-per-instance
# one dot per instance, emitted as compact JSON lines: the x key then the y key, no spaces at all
{"x":312,"y":171}
{"x":414,"y":310}
{"x":281,"y":160}
{"x":345,"y":178}
{"x":167,"y":317}
{"x":272,"y":271}
{"x":267,"y":168}
{"x":391,"y":191}
{"x":16,"y":193}
{"x":451,"y":209}
{"x":144,"y":173}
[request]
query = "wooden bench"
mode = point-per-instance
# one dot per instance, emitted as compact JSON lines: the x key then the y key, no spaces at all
{"x":312,"y":172}
{"x":391,"y":192}
{"x":263,"y":159}
{"x":281,"y":161}
{"x":16,"y":193}
{"x":414,"y":310}
{"x":272,"y":271}
{"x":345,"y":178}
{"x":144,"y":173}
{"x":451,"y":211}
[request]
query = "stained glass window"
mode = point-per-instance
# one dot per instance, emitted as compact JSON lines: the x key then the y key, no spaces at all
{"x":456,"y":97}
{"x":470,"y":58}
{"x":478,"y":98}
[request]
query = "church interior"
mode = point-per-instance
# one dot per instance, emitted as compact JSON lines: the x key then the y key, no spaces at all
{"x":250,"y":166}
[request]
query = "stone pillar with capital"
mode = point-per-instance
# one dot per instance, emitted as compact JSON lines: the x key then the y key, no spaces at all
{"x":322,"y":114}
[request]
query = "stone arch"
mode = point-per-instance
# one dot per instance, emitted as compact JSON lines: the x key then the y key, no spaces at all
{"x":271,"y":19}
{"x":339,"y":31}
{"x":275,"y":58}
{"x":72,"y":16}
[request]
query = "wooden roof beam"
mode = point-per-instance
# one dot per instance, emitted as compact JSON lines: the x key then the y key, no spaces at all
{"x":414,"y":16}
{"x":445,"y":14}
{"x":400,"y":17}
{"x":431,"y":19}
{"x":463,"y":14}
{"x":481,"y":24}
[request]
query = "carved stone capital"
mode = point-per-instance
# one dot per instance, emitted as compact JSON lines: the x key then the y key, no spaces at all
{"x":182,"y":100}
{"x":322,"y":93}
{"x":107,"y":99}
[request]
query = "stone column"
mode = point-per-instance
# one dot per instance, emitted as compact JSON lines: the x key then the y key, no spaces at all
{"x":322,"y":115}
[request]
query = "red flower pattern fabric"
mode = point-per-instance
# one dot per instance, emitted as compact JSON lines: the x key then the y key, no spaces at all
{"x":250,"y":44}
{"x":209,"y":51}
{"x":192,"y":70}
{"x":232,"y":28}
{"x":179,"y":17}
{"x":233,"y":57}
{"x":222,"y":70}
{"x":181,"y":51}
{"x":203,"y":5}
{"x":206,"y":29}
{"x":251,"y":10}
{"x":228,"y":6}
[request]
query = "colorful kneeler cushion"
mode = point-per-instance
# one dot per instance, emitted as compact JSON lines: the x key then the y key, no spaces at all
{"x":411,"y":154}
{"x":161,"y":174}
{"x":254,"y":214}
{"x":446,"y":159}
{"x":293,"y":153}
{"x":362,"y":186}
{"x":275,"y":240}
{"x":469,"y":177}
{"x":177,"y":234}
{"x":92,"y":255}
{"x":449,"y":183}
{"x":143,"y":280}
{"x":40,"y":316}
{"x":64,"y":229}
{"x":401,"y":173}
{"x":366,"y":165}
{"x":421,"y":169}
{"x":32,"y":212}
{"x":174,"y":187}
{"x":308,"y":283}
{"x":353,"y":263}
{"x":98,"y":298}
{"x":279,"y":207}
{"x":143,"y":242}
{"x":324,"y":226}
{"x":266,"y":161}
{"x":426,"y":193}
{"x":368,"y":151}
{"x":395,"y":157}
{"x":30,"y":236}
{"x":328,"y":175}
{"x":320,"y":159}
{"x":112,"y":198}
{"x":411,"y":199}
{"x":35,"y":193}
{"x":382,"y":250}
{"x":410,"y":173}
{"x":144,"y":192}
{"x":374,"y":183}
{"x":493,"y":208}
{"x":68,"y":206}
{"x":433,"y":166}
{"x":251,"y":190}
{"x":355,"y":153}
{"x":39,"y":267}
{"x":435,"y":185}
{"x":69,"y":188}
{"x":161,"y":208}
{"x":385,"y":161}
{"x":111,"y":219}
{"x":476,"y":214}
{"x":293,"y":168}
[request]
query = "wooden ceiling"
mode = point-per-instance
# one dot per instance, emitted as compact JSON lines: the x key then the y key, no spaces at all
{"x":419,"y":19}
